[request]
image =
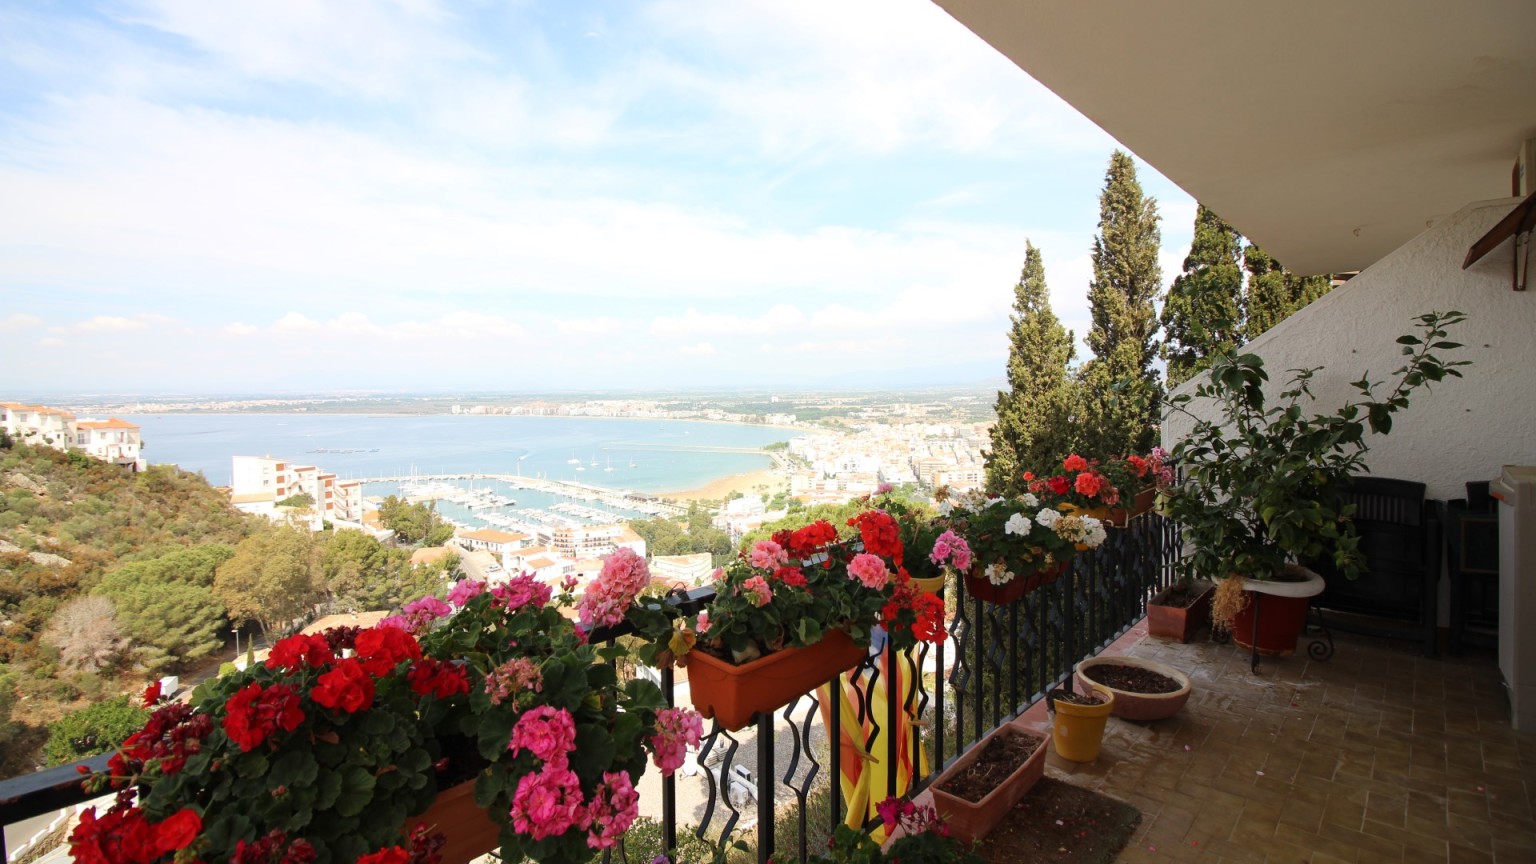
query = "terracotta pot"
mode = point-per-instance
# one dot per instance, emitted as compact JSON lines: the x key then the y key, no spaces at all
{"x":1078,"y":730}
{"x":977,"y":585}
{"x":971,"y":820}
{"x":1281,"y":613}
{"x":1129,"y":705}
{"x":1180,"y":622}
{"x":1121,"y":517}
{"x":467,"y":825}
{"x":732,"y":694}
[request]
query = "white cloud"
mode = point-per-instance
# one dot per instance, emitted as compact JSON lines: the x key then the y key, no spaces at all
{"x":119,"y":324}
{"x":17,"y":321}
{"x":702,"y":349}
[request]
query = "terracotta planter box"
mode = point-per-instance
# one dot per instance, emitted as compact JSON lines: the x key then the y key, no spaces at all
{"x":977,"y":585}
{"x":1121,"y":516}
{"x":971,"y":820}
{"x":467,"y":825}
{"x":1180,"y":622}
{"x":732,"y":694}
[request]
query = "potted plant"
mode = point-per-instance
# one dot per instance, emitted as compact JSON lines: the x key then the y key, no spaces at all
{"x":923,"y":838}
{"x":1263,"y":481}
{"x":1143,"y":689}
{"x":969,"y":794}
{"x":791,"y":612}
{"x":1111,"y":490}
{"x":1077,"y":721}
{"x":1005,"y":548}
{"x":332,"y":749}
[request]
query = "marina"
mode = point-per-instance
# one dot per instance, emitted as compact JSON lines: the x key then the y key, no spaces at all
{"x":475,"y":500}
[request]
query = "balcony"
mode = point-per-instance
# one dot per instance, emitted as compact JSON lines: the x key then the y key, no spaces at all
{"x":1375,"y":755}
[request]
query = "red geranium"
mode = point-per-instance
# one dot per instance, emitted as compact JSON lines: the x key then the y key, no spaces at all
{"x":274,"y":848}
{"x":791,"y":576}
{"x":392,"y":855}
{"x":881,"y":534}
{"x":1075,"y":463}
{"x":382,"y":648}
{"x":347,"y":687}
{"x":1089,"y":484}
{"x":1059,"y":485}
{"x":152,"y":695}
{"x":123,"y":836}
{"x":253,"y":713}
{"x":296,"y":652}
{"x":804,"y":542}
{"x":438,"y":678}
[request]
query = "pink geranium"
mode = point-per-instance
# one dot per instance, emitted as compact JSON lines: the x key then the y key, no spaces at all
{"x":548,"y":733}
{"x":548,"y":803}
{"x":521,"y":590}
{"x":615,"y":804}
{"x":623,"y":577}
{"x":464,"y":589}
{"x":869,"y":570}
{"x":757,"y":591}
{"x":677,"y":729}
{"x":701,"y":623}
{"x":767,"y":555}
{"x":952,"y":547}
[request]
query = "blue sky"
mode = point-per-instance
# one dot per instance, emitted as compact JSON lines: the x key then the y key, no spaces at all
{"x":409,"y":194}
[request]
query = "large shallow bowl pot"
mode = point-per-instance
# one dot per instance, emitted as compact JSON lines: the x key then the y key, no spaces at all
{"x":1137,"y":706}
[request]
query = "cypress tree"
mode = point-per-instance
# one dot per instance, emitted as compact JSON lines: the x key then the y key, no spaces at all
{"x":1274,"y":292}
{"x":1120,"y":389}
{"x":1203,"y":312}
{"x":1033,"y":430}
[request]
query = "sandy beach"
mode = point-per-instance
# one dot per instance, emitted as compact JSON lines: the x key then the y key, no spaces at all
{"x":747,"y":484}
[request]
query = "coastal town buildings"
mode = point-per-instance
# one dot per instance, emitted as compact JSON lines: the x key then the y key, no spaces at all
{"x":261,"y":485}
{"x":111,"y":440}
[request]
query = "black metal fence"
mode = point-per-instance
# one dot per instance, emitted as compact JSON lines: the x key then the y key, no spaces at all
{"x":999,"y":661}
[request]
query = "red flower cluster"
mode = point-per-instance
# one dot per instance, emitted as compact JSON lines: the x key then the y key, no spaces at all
{"x":123,"y":835}
{"x":881,"y":534}
{"x":438,"y":678}
{"x":170,"y":735}
{"x":274,"y":848}
{"x":912,"y":607}
{"x":347,"y":687}
{"x":253,"y":713}
{"x":297,"y":652}
{"x":382,"y":648}
{"x":804,"y":542}
{"x":791,"y":576}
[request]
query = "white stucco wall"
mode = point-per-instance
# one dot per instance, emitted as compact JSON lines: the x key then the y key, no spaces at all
{"x":1462,"y":429}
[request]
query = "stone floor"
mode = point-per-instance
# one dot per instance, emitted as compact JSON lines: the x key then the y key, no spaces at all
{"x":1377,"y":755}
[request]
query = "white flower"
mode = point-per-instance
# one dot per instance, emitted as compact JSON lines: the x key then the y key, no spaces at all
{"x":1096,"y":533}
{"x":1047,"y":517}
{"x":944,"y":508}
{"x":1018,"y":524}
{"x":1030,"y":500}
{"x":994,"y":501}
{"x":997,"y":574}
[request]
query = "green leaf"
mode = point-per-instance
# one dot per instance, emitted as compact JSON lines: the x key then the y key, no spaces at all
{"x":357,"y":785}
{"x":295,"y":768}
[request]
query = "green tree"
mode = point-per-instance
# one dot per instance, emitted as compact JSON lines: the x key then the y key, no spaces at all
{"x":414,"y":523}
{"x":272,"y":579}
{"x":1121,"y":392}
{"x":1033,"y":429}
{"x":1203,"y":313}
{"x":361,"y":574}
{"x":98,"y":728}
{"x":1274,"y":292}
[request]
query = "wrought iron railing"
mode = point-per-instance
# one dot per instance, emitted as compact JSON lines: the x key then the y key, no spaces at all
{"x":999,"y":661}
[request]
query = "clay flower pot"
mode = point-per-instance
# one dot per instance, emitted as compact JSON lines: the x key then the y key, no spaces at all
{"x":1141,"y":503}
{"x":732,"y":694}
{"x":467,"y":825}
{"x":1130,"y":705}
{"x":1281,"y":613}
{"x":971,"y":820}
{"x":929,"y":584}
{"x":1180,"y":622}
{"x":977,"y":585}
{"x":1078,"y":730}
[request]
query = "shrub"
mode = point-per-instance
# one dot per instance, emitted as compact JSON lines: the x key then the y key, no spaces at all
{"x":89,"y":731}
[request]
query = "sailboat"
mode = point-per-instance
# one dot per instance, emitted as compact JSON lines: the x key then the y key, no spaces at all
{"x":610,"y":464}
{"x":573,"y":460}
{"x":631,"y":461}
{"x":594,"y":460}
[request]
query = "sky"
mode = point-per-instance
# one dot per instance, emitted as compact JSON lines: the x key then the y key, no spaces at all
{"x":404,"y":195}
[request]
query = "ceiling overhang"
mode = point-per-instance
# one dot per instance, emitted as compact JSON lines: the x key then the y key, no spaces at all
{"x":1329,"y":133}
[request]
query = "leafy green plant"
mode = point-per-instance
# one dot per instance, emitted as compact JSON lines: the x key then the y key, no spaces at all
{"x":1264,"y":481}
{"x":98,"y":728}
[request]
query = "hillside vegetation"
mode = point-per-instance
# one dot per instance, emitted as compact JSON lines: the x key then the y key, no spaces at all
{"x":109,"y":579}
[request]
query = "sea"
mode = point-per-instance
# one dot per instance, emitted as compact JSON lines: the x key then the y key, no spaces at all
{"x":622,"y":455}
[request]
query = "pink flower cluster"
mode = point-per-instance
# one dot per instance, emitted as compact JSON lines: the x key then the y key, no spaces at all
{"x":767,"y":555}
{"x":614,"y":806}
{"x":463,"y":590}
{"x":677,"y":729}
{"x":513,"y":677}
{"x":869,"y":570}
{"x":548,"y":803}
{"x":605,"y":601}
{"x":521,"y":590}
{"x":416,"y":616}
{"x":548,"y":733}
{"x":952,"y":547}
{"x":756,"y":591}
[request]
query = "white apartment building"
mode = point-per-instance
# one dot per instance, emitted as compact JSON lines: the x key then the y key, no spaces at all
{"x":492,"y":540}
{"x":259,"y":483}
{"x":591,"y":541}
{"x":111,"y":440}
{"x":692,"y":570}
{"x":37,"y":424}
